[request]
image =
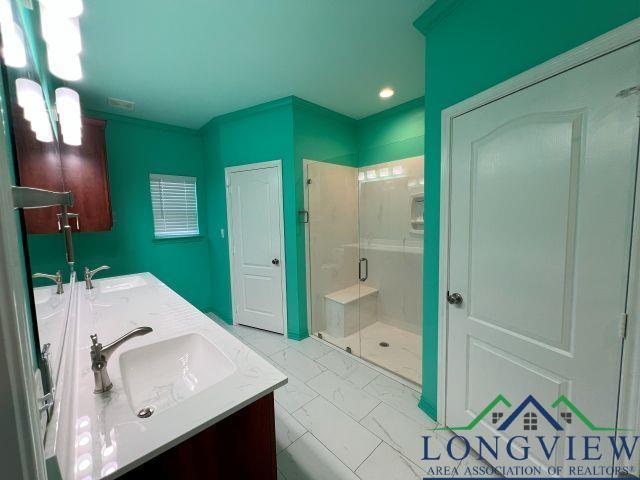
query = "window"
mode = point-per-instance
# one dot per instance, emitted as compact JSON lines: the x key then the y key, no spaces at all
{"x":175,"y":206}
{"x":530,"y":421}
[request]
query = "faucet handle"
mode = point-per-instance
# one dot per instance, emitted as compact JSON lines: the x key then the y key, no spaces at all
{"x":88,"y":275}
{"x":54,"y":278}
{"x":94,"y":339}
{"x":91,"y":273}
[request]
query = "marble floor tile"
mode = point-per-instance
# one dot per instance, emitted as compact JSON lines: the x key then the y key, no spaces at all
{"x":298,"y":364}
{"x":385,"y":463}
{"x":241,"y":331}
{"x":268,"y":344}
{"x":311,"y":347}
{"x":347,"y":439}
{"x":344,"y":395}
{"x":348,"y":368}
{"x":308,"y":459}
{"x":288,"y":429}
{"x":399,"y":397}
{"x":295,"y":393}
{"x":405,"y":435}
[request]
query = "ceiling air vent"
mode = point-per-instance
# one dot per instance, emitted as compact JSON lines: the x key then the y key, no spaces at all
{"x":121,"y":104}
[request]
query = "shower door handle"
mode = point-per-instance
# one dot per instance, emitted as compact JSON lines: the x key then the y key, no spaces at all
{"x":363,"y":277}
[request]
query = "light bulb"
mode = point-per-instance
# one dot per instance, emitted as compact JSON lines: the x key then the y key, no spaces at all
{"x":68,"y":102}
{"x":44,"y":134}
{"x":27,"y":92}
{"x":67,"y":8}
{"x":68,"y":106}
{"x":63,"y":64}
{"x":6,"y":12}
{"x":60,"y":32}
{"x":13,"y":45}
{"x":73,"y":139}
{"x":386,"y":92}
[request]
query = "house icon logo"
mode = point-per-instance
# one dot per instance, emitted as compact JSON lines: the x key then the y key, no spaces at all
{"x":532,"y":429}
{"x":529,"y":414}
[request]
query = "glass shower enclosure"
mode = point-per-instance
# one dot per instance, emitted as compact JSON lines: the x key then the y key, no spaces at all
{"x":365,"y":249}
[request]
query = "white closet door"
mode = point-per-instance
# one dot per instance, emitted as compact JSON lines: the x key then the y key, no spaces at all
{"x":256,"y":253}
{"x":542,"y":190}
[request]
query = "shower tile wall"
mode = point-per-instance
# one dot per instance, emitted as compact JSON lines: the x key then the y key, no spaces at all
{"x":387,"y":241}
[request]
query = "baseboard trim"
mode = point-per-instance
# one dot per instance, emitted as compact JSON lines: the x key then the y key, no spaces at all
{"x":297,"y":336}
{"x":428,"y":408}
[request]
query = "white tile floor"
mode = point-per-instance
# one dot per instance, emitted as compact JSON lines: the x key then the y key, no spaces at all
{"x":403,"y":355}
{"x":338,"y":418}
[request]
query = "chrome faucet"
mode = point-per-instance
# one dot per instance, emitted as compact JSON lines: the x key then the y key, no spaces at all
{"x":100,"y":357}
{"x":88,"y":275}
{"x":56,"y":278}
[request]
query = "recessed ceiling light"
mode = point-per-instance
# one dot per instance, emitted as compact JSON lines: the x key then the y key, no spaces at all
{"x":386,"y":92}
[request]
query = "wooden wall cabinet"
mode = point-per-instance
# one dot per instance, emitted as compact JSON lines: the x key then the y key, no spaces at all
{"x":39,"y":166}
{"x":85,"y":174}
{"x":81,"y":170}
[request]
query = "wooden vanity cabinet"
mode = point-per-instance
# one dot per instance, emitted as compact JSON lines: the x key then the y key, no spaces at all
{"x":81,"y":170}
{"x":240,"y":447}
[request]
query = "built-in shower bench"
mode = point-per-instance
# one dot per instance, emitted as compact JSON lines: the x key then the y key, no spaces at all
{"x":350,"y":309}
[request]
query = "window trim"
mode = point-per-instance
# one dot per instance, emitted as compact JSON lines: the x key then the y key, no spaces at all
{"x":155,"y":177}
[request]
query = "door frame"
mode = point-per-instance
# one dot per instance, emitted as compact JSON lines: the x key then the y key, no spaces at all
{"x":615,"y":39}
{"x":307,"y":237}
{"x":277,"y":164}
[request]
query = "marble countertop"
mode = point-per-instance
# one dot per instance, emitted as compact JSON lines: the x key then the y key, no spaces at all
{"x":108,"y":438}
{"x":51,"y":316}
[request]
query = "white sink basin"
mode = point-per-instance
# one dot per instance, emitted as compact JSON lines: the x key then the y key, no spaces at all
{"x":162,"y":374}
{"x":117,"y":284}
{"x":42,"y":295}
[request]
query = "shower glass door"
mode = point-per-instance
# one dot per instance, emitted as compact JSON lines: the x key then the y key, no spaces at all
{"x":332,"y":203}
{"x":391,"y":228}
{"x":364,"y":252}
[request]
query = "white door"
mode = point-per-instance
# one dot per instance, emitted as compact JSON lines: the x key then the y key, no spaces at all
{"x":541,"y":202}
{"x":256,"y":247}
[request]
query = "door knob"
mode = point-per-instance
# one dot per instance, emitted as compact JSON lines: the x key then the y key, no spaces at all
{"x":454,"y":298}
{"x":275,"y":261}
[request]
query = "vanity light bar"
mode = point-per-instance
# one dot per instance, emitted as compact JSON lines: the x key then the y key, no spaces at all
{"x":69,"y":113}
{"x":14,"y":52}
{"x":61,"y":32}
{"x":31,"y":99}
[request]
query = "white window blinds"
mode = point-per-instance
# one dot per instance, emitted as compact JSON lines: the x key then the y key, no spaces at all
{"x":175,"y":206}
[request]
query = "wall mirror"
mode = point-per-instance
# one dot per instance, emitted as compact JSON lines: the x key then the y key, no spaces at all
{"x":31,"y":117}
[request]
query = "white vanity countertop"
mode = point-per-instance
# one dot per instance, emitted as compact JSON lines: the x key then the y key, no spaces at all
{"x":51,"y":314}
{"x":109,"y":438}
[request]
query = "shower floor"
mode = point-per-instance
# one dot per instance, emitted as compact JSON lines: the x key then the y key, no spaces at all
{"x":403,"y":356}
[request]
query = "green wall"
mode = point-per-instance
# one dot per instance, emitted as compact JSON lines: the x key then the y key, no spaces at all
{"x":134,"y":149}
{"x":257,"y":134}
{"x":323,"y":135}
{"x":471,"y":46}
{"x":288,"y":129}
{"x":392,"y":134}
{"x":292,"y":129}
